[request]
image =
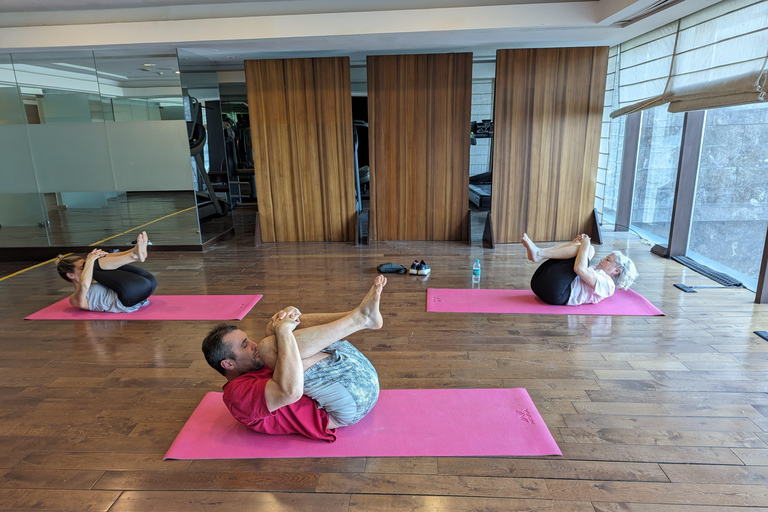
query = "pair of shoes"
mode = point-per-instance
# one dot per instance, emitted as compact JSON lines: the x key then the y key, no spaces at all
{"x":391,"y":268}
{"x":420,"y":268}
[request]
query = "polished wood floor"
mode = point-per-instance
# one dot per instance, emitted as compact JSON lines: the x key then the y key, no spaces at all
{"x":651,"y":413}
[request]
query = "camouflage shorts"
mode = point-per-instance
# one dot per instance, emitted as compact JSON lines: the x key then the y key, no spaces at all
{"x":345,"y":384}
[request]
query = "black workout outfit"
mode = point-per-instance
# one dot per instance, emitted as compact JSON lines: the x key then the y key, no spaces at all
{"x":552,"y":281}
{"x":132,"y":284}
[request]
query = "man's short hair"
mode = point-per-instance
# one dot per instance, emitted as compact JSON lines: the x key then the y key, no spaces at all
{"x":214,"y":348}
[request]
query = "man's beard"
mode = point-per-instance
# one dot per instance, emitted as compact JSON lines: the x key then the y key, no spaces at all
{"x":251,"y":366}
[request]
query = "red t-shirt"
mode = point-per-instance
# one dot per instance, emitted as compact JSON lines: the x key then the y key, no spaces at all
{"x":245,"y":398}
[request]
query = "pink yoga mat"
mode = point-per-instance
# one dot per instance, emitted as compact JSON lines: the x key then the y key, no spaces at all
{"x":404,"y":423}
{"x":449,"y":300}
{"x":161,"y":307}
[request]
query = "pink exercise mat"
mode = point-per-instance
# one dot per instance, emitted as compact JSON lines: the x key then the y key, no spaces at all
{"x":404,"y":423}
{"x":449,"y":300}
{"x":161,"y":307}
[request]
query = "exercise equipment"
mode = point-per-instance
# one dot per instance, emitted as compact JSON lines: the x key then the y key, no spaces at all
{"x":480,"y":184}
{"x":241,"y":173}
{"x":208,"y":203}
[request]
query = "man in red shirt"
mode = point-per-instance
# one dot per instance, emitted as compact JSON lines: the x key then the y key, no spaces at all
{"x":299,"y":379}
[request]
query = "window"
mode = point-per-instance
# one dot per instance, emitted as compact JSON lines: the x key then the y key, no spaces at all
{"x":656,"y":174}
{"x":731,"y":206}
{"x":613,"y":170}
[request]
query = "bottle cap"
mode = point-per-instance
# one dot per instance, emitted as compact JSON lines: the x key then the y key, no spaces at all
{"x":477,"y":261}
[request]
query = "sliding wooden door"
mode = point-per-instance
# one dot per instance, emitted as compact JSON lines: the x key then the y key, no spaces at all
{"x":547,"y":118}
{"x":301,"y":128}
{"x":419,"y":115}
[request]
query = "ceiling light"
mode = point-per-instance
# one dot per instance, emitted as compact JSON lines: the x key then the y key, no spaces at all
{"x":148,"y":65}
{"x":177,"y":72}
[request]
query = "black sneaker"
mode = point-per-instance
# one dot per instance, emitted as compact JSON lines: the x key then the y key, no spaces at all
{"x":414,"y":267}
{"x":423,"y":269}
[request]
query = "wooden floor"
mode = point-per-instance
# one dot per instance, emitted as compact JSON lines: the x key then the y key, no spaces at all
{"x":651,"y":413}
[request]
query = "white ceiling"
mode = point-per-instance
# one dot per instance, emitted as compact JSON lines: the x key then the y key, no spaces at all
{"x":229,"y":33}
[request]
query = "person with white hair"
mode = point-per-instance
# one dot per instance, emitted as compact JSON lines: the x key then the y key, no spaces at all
{"x":566,"y":277}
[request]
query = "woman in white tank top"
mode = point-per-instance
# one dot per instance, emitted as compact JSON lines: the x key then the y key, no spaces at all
{"x":566,"y":278}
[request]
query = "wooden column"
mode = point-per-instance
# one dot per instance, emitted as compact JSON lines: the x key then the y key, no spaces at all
{"x":301,"y":128}
{"x":419,"y":117}
{"x":547,"y":119}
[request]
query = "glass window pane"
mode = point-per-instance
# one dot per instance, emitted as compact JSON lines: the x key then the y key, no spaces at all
{"x":11,"y":108}
{"x":613,"y":168}
{"x":24,"y":221}
{"x":139,"y":86}
{"x":731,"y":206}
{"x":58,"y":87}
{"x":200,"y":85}
{"x":660,"y":136}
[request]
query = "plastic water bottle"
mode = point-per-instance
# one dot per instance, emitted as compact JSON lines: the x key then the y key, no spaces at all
{"x":476,"y":272}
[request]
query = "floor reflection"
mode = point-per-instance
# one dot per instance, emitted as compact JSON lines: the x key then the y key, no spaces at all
{"x":169,"y":217}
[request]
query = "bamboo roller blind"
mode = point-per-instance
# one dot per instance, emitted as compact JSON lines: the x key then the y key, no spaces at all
{"x":301,"y":129}
{"x":419,"y":114}
{"x":547,"y":120}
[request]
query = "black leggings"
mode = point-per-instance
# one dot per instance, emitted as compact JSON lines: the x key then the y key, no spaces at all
{"x":132,"y":284}
{"x":552,"y":281}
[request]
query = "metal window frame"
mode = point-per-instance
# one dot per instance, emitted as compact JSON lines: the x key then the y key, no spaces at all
{"x":685,"y":187}
{"x":628,"y":169}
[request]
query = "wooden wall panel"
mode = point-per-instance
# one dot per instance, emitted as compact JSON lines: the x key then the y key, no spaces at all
{"x":547,"y":119}
{"x":419,"y":115}
{"x":301,"y":129}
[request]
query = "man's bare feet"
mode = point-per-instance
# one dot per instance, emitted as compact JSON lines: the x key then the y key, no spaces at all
{"x":531,"y":249}
{"x":369,"y":307}
{"x":140,"y":250}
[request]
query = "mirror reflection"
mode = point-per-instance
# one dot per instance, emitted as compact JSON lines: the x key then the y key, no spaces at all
{"x":94,"y":146}
{"x":215,"y":192}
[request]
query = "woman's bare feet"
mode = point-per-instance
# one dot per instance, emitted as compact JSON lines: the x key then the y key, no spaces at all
{"x":531,"y":249}
{"x":140,"y":250}
{"x":369,"y":307}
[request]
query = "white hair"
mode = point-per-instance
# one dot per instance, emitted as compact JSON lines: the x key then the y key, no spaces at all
{"x":627,"y":271}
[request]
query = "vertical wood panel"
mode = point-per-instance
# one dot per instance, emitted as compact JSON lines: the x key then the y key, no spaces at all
{"x":301,"y":128}
{"x":418,"y":113}
{"x":594,"y":125}
{"x":547,"y":114}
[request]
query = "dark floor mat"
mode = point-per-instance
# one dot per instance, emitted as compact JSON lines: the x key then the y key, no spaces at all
{"x":719,"y":277}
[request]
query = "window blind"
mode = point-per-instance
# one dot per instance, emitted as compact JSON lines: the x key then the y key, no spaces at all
{"x":713,"y":58}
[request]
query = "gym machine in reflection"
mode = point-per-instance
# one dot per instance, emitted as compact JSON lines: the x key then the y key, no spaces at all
{"x":480,"y":184}
{"x":208,"y":203}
